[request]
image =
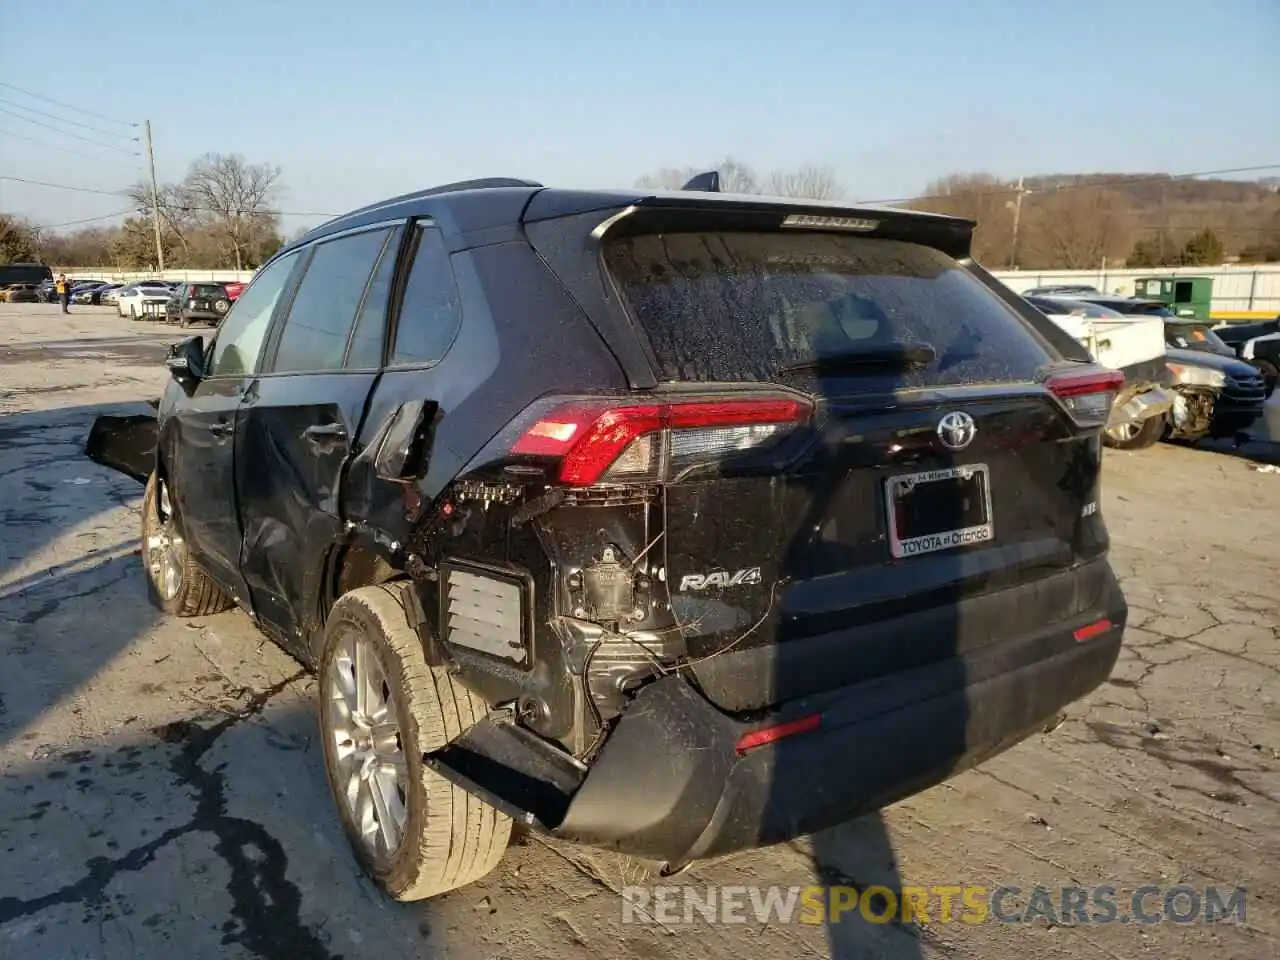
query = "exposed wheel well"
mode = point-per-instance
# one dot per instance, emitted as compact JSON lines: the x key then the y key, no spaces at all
{"x":351,"y":566}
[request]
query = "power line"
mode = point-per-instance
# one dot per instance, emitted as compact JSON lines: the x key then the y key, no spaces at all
{"x":67,"y":106}
{"x":184,"y":208}
{"x":67,"y":133}
{"x":75,"y":123}
{"x":52,"y":146}
{"x":73,"y":223}
{"x":63,"y":186}
{"x":1114,"y":181}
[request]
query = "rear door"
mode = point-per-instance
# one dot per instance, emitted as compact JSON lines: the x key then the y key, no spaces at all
{"x":297,"y":422}
{"x":935,"y":468}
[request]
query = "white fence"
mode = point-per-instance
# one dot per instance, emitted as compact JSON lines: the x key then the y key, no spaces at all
{"x":178,"y":276}
{"x":1236,"y":290}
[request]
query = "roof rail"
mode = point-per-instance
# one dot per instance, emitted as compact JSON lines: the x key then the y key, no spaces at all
{"x":708,"y":182}
{"x":482,"y":183}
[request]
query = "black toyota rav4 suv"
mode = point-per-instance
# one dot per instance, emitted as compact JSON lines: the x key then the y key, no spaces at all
{"x":675,"y":524}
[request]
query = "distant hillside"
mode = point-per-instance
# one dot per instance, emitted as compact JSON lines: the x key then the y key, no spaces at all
{"x":1075,"y":220}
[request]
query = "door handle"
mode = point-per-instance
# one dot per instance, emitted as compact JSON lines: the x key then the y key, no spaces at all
{"x":326,"y":431}
{"x":220,"y":429}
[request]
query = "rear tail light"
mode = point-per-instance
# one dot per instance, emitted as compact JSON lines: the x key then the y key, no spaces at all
{"x":613,"y":442}
{"x":1087,"y":394}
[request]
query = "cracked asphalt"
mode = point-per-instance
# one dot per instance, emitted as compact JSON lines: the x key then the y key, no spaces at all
{"x":161,"y":790}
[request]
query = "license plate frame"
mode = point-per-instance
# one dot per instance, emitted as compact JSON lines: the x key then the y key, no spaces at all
{"x":896,"y":486}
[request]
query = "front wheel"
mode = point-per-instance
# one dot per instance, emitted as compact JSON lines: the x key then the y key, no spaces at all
{"x":381,"y":707}
{"x":176,"y":583}
{"x":1135,"y":436}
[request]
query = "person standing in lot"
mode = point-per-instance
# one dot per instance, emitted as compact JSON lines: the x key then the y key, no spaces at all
{"x":63,"y":287}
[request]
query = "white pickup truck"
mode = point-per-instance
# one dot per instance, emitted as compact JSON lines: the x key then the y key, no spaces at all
{"x":1133,"y":345}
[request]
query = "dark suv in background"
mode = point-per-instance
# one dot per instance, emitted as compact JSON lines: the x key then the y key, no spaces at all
{"x":197,"y":303}
{"x":676,"y":524}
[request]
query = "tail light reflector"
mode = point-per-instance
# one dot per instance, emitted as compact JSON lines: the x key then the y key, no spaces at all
{"x":766,"y":735}
{"x":607,"y":441}
{"x":1087,"y":394}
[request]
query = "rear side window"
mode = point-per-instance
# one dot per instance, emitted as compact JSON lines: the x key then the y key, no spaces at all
{"x":430,"y":310}
{"x":740,"y":306}
{"x":324,"y":309}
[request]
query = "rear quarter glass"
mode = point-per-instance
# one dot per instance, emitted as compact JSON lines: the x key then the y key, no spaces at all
{"x":737,"y":306}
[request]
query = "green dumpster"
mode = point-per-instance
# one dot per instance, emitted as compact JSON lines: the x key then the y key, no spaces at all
{"x":1186,"y":296}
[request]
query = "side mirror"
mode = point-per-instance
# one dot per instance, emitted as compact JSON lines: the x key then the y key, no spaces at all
{"x":186,"y":361}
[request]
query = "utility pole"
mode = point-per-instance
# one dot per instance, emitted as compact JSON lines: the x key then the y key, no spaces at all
{"x":1017,"y":216}
{"x":155,"y":198}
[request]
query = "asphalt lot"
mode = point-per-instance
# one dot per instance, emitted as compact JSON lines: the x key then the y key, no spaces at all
{"x":161,"y":790}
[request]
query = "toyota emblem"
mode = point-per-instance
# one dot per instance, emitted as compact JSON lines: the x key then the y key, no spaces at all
{"x":956,"y":430}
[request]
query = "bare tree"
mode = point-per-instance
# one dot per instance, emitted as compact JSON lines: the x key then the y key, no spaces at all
{"x":983,"y":198}
{"x":735,"y":177}
{"x":237,"y":195}
{"x":815,"y":183}
{"x":1075,"y":227}
{"x":177,"y":218}
{"x":20,"y":240}
{"x":668,"y":178}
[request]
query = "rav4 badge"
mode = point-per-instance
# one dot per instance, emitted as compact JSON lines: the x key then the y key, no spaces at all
{"x":720,"y":578}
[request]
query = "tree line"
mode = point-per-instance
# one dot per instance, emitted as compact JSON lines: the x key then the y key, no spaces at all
{"x":222,"y":214}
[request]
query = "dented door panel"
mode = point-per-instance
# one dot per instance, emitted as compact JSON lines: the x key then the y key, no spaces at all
{"x":197,"y":453}
{"x":294,"y":437}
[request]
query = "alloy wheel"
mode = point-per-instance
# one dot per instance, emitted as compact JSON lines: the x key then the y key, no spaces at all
{"x":165,"y":546}
{"x":367,"y":757}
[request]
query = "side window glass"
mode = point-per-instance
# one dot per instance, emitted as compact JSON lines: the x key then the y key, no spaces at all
{"x":365,"y":351}
{"x":324,"y":310}
{"x":239,"y":341}
{"x":430,"y":310}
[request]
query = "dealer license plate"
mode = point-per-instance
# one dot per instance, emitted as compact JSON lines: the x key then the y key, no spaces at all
{"x":939,"y":509}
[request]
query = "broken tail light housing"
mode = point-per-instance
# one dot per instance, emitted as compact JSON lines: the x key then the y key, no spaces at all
{"x":604,"y":441}
{"x":1087,"y":394}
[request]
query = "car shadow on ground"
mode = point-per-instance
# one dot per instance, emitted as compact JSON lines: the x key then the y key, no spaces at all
{"x":855,"y":861}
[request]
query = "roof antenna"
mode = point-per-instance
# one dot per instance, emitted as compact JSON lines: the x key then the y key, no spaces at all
{"x":708,"y":182}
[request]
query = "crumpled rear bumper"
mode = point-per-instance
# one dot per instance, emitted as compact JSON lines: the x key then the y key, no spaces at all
{"x":1141,"y":406}
{"x":674,"y":782}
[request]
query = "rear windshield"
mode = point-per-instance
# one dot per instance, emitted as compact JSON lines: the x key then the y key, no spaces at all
{"x":740,"y":306}
{"x":205,"y":290}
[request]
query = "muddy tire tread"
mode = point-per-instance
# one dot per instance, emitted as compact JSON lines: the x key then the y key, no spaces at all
{"x":462,"y":838}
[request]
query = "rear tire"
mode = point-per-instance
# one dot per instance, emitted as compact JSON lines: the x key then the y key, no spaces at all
{"x":176,"y":583}
{"x":415,"y":833}
{"x":1135,"y":436}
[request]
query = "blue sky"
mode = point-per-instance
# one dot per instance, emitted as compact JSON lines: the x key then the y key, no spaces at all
{"x":359,"y":101}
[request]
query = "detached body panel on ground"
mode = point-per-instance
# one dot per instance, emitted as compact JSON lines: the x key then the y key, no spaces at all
{"x":654,"y":486}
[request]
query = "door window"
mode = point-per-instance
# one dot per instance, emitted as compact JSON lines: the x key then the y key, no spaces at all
{"x":238,"y":346}
{"x":323,"y":312}
{"x":365,"y":351}
{"x":430,"y":310}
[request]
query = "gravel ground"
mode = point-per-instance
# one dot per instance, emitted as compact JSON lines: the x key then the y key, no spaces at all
{"x":161,"y":787}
